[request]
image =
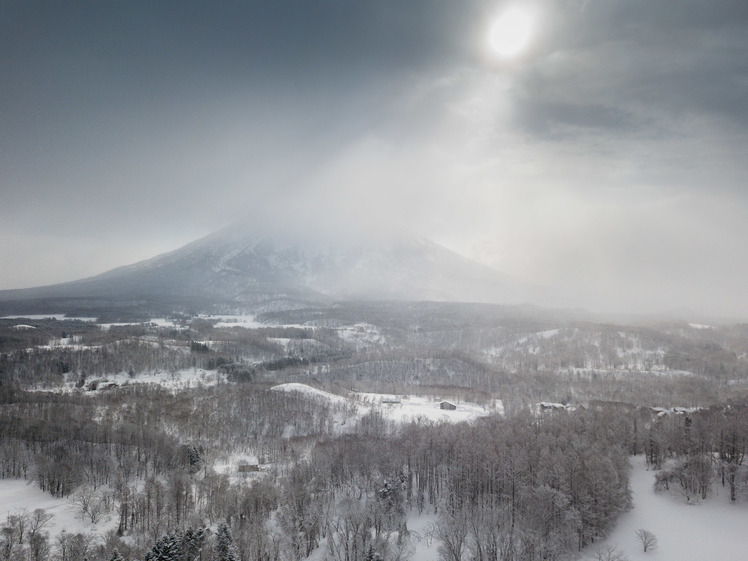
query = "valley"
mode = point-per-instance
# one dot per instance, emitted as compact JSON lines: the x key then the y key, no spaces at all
{"x":326,"y":431}
{"x":373,"y":280}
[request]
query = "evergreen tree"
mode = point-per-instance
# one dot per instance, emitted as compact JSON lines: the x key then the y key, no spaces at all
{"x":166,"y":548}
{"x":194,"y":459}
{"x":192,"y":544}
{"x":373,"y":555}
{"x":225,"y":550}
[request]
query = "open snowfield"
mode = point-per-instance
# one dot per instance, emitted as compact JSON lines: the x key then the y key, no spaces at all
{"x":179,"y":380}
{"x":59,"y":317}
{"x":712,"y":530}
{"x":401,"y":408}
{"x":17,"y":496}
{"x":406,"y":408}
{"x":245,"y":321}
{"x":425,"y":544}
{"x":174,"y":381}
{"x":309,"y":390}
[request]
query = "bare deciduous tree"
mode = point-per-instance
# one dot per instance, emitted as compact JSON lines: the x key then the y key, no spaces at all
{"x":39,"y":546}
{"x":609,"y":553}
{"x":647,"y":539}
{"x":73,"y":547}
{"x":89,"y":502}
{"x":37,"y":521}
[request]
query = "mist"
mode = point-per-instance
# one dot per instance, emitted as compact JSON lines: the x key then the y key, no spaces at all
{"x":605,"y":162}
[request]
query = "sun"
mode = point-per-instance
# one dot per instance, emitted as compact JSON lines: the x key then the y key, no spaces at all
{"x":511,"y":32}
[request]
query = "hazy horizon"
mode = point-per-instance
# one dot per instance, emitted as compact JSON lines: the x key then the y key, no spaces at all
{"x":602,"y":154}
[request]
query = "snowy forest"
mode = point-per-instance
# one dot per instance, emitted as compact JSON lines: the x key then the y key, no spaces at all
{"x":358,"y":432}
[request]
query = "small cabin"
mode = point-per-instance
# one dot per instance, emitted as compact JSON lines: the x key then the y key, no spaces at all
{"x":248,"y":468}
{"x":447,"y":405}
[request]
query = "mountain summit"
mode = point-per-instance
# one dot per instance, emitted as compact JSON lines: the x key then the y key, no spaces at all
{"x":260,"y":267}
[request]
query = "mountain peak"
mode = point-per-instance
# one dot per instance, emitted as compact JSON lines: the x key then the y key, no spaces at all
{"x":252,"y":264}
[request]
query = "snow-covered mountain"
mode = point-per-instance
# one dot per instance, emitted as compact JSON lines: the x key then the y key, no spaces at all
{"x":254,"y":266}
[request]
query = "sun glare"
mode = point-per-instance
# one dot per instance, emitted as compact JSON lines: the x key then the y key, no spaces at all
{"x":511,"y":32}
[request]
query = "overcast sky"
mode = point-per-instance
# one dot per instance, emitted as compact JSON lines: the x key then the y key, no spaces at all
{"x":608,"y":157}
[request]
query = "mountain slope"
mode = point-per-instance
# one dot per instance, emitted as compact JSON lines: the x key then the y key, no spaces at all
{"x":252,"y":267}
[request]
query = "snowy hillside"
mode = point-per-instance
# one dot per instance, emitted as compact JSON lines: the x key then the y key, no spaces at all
{"x":275,"y":269}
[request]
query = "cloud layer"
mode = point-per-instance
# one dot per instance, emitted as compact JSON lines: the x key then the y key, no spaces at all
{"x":608,"y":160}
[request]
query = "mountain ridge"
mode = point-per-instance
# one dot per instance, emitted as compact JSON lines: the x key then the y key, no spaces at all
{"x":250,"y":267}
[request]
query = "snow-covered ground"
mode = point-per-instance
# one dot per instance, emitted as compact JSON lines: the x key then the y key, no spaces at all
{"x":108,"y":326}
{"x":34,"y":316}
{"x":405,"y":408}
{"x":309,"y":390}
{"x":155,"y":322}
{"x":72,"y":343}
{"x":246,"y":321}
{"x":402,"y":408}
{"x":179,"y":380}
{"x":18,"y":496}
{"x":714,"y":529}
{"x":362,"y":334}
{"x":425,"y":544}
{"x":340,"y":418}
{"x":229,"y":466}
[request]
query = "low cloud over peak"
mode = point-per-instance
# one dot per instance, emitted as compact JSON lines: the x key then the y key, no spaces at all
{"x":607,"y":158}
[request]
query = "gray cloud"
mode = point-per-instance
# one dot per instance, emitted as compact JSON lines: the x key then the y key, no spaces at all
{"x":607,"y":160}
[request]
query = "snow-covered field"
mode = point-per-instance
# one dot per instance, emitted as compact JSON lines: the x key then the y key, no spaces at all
{"x":406,"y":408}
{"x":309,"y":390}
{"x":179,"y":380}
{"x":59,"y":317}
{"x":711,"y":530}
{"x":17,"y":496}
{"x":362,"y":334}
{"x":245,"y":321}
{"x":402,"y":408}
{"x":425,"y":544}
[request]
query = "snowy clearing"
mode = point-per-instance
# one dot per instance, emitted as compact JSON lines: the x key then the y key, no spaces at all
{"x":309,"y":390}
{"x":406,"y":408}
{"x":425,"y":544}
{"x":363,"y":334}
{"x":714,"y":529}
{"x":36,"y":317}
{"x":402,"y":408}
{"x":59,"y":317}
{"x":245,"y":321}
{"x":17,"y":495}
{"x":179,"y":380}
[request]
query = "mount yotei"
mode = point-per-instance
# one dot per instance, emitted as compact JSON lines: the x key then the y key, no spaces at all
{"x":270,"y":268}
